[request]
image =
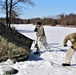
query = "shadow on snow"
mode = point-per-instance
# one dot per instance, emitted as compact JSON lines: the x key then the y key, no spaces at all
{"x":37,"y":57}
{"x":34,"y":57}
{"x":26,"y":31}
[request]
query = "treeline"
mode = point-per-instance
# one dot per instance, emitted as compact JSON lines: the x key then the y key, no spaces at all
{"x":62,"y":19}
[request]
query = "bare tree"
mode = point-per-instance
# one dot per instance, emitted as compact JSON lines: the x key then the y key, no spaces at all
{"x":6,"y":11}
{"x":10,"y":12}
{"x":13,"y":6}
{"x":4,"y":7}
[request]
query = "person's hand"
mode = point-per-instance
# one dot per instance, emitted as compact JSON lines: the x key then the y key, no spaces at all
{"x":36,"y":29}
{"x":65,"y":45}
{"x":72,"y":47}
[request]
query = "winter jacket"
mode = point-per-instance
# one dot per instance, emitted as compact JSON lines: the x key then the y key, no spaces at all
{"x":72,"y":38}
{"x":40,"y":32}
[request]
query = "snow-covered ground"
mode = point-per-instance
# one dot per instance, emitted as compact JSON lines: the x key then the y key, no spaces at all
{"x":42,"y":64}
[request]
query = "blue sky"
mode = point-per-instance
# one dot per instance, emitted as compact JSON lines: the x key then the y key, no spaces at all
{"x":44,"y":8}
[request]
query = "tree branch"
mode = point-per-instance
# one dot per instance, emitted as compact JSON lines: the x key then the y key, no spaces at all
{"x":15,"y":3}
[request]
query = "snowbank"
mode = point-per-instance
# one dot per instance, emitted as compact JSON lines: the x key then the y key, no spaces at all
{"x":42,"y":64}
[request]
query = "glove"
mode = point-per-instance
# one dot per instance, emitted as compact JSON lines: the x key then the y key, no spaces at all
{"x":72,"y":47}
{"x":35,"y":30}
{"x":65,"y":45}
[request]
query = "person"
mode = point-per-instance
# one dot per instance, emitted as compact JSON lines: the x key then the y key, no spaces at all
{"x":40,"y":38}
{"x":71,"y":50}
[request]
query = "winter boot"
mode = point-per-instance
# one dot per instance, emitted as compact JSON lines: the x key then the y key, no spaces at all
{"x":65,"y":64}
{"x":36,"y":53}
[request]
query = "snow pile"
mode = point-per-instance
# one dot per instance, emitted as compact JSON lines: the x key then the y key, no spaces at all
{"x":42,"y":64}
{"x":6,"y":66}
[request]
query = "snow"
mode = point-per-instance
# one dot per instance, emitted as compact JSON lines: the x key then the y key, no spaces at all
{"x":42,"y":64}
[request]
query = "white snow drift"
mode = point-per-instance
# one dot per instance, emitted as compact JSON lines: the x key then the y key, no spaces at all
{"x":42,"y":64}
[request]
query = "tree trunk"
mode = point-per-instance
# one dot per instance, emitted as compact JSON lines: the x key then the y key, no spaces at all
{"x":10,"y":16}
{"x":7,"y":12}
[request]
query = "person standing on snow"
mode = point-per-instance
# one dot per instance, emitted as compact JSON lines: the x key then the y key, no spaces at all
{"x":71,"y":50}
{"x":40,"y":38}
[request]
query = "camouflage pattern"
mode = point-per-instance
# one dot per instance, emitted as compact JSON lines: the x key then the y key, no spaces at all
{"x":72,"y":38}
{"x":13,"y":45}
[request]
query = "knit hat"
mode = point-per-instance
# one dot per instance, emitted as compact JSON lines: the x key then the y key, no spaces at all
{"x":38,"y":23}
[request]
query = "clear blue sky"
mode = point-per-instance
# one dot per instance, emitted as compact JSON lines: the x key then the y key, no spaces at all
{"x":44,"y":8}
